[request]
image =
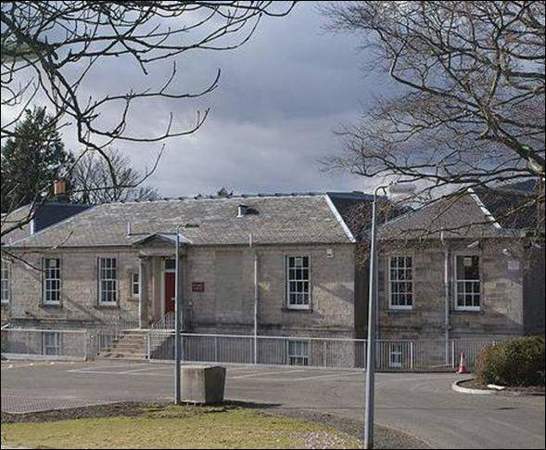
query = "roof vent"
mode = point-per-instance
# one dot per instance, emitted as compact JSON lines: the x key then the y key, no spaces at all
{"x":242,"y":210}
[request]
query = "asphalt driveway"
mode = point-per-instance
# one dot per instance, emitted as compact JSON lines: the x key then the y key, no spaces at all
{"x":422,"y":405}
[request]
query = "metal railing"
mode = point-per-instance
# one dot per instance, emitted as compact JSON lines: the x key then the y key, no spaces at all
{"x":167,"y":321}
{"x":102,"y":336}
{"x":316,"y":352}
{"x":392,"y":355}
{"x":28,"y":343}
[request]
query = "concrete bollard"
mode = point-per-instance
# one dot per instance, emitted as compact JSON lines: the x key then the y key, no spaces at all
{"x":203,"y":384}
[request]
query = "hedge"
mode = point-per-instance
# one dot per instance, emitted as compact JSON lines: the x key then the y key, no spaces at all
{"x":517,"y":362}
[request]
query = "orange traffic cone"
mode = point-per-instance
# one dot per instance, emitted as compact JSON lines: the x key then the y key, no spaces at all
{"x":462,"y":365}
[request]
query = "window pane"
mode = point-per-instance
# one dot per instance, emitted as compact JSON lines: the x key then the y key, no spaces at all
{"x":108,"y":280}
{"x":51,"y":280}
{"x":401,"y":287}
{"x":298,"y":280}
{"x":468,"y":281}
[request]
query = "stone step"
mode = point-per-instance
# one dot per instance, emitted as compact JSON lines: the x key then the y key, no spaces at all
{"x":130,"y":342}
{"x":121,"y":355}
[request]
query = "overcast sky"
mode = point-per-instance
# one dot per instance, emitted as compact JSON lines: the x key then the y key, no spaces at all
{"x":272,"y":118}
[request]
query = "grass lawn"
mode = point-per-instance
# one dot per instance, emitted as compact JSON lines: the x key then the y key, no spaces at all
{"x":178,"y":427}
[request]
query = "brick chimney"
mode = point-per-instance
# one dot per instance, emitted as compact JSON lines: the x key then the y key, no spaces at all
{"x":59,"y":190}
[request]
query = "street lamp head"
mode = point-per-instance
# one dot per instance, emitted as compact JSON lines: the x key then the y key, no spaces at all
{"x":398,"y":189}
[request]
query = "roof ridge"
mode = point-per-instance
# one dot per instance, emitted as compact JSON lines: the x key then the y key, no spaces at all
{"x":221,"y":197}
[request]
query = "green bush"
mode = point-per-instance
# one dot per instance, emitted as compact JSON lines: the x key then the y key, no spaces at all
{"x":517,"y":362}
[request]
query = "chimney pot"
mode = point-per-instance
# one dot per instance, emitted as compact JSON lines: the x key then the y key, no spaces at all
{"x":59,"y":188}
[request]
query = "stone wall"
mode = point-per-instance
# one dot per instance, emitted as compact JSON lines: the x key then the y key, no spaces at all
{"x":501,"y":311}
{"x":79,"y":304}
{"x":226,"y":304}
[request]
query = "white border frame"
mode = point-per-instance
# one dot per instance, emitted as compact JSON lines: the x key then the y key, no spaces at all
{"x":60,"y":342}
{"x":289,"y":356}
{"x":8,"y":265}
{"x":132,"y":283}
{"x":287,"y":283}
{"x":456,"y":306}
{"x":44,"y":301}
{"x":99,"y":279}
{"x":389,"y":287}
{"x":392,"y":352}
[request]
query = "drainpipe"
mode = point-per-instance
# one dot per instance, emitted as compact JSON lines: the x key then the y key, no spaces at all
{"x":446,"y":294}
{"x":256,"y":294}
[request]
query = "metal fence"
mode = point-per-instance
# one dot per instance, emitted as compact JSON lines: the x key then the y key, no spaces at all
{"x":317,"y":352}
{"x":243,"y":349}
{"x":26,"y":343}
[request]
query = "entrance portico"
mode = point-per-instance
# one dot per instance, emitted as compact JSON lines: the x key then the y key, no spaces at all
{"x":157,"y":275}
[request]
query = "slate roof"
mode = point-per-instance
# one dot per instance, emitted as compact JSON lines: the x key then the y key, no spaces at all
{"x":513,"y":206}
{"x":290,"y":219}
{"x":479,"y":213}
{"x":12,"y":219}
{"x":43,"y":216}
{"x":356,"y":210}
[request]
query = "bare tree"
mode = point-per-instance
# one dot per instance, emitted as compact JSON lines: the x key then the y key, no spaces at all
{"x":50,"y":49}
{"x":92,"y":181}
{"x":469,"y":111}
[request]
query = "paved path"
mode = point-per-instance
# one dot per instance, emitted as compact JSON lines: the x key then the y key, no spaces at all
{"x":420,"y":404}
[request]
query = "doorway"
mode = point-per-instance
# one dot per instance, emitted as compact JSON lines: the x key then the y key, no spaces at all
{"x":169,"y":288}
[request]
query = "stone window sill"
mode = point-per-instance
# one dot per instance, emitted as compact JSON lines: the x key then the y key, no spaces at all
{"x":116,"y":306}
{"x":467,"y":311}
{"x":45,"y":306}
{"x":400,"y":310}
{"x":295,"y":310}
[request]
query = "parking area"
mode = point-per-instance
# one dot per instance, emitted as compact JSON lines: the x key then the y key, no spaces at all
{"x":420,"y":404}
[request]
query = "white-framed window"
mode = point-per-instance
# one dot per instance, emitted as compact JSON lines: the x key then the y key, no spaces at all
{"x":298,"y":282}
{"x":467,"y":283}
{"x":5,"y":282}
{"x":135,"y":284}
{"x":108,"y":281}
{"x":51,"y":343}
{"x":401,"y":282}
{"x":51,"y":281}
{"x":396,"y":354}
{"x":298,"y":353}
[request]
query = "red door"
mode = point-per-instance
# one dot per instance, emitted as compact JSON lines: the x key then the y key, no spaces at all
{"x":170,"y":283}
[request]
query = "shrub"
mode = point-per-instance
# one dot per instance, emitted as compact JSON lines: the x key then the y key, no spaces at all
{"x":517,"y":362}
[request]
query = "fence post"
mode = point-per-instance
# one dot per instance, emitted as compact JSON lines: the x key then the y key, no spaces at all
{"x":453,"y":353}
{"x":86,"y":345}
{"x":324,"y":353}
{"x":412,"y":354}
{"x":215,"y":348}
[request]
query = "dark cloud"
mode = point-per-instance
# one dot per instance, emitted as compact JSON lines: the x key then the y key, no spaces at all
{"x":272,"y":117}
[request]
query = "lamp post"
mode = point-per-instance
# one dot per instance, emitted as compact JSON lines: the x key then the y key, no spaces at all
{"x":178,"y":305}
{"x":394,"y":189}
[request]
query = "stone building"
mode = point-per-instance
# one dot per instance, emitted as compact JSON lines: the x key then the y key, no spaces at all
{"x":462,"y":267}
{"x":293,"y":255}
{"x":290,"y":265}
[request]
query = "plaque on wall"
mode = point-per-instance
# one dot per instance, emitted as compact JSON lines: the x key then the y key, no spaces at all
{"x":198,"y":286}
